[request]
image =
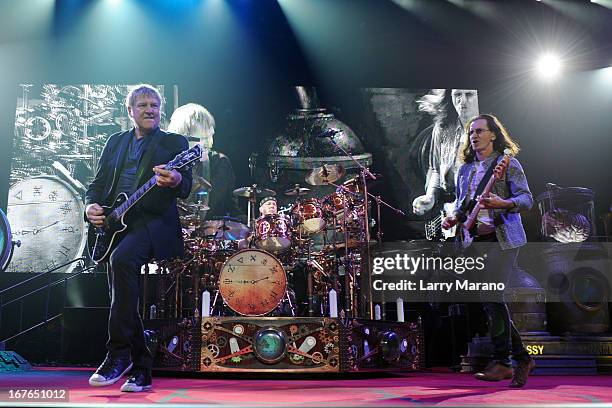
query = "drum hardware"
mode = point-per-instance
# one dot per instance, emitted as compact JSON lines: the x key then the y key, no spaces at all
{"x":326,"y":174}
{"x":251,"y":193}
{"x":297,"y":191}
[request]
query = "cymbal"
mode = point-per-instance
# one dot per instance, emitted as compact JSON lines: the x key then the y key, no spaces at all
{"x":225,"y":218}
{"x":328,"y":173}
{"x":297,"y":191}
{"x":251,"y":191}
{"x":196,"y":208}
{"x":355,"y":183}
{"x":222,"y":229}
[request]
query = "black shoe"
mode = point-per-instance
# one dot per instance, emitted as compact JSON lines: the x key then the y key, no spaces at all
{"x":110,"y":371}
{"x":494,"y":372}
{"x":521,"y":373}
{"x":139,"y":380}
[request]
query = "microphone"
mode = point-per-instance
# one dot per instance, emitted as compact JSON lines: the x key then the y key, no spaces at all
{"x":328,"y":133}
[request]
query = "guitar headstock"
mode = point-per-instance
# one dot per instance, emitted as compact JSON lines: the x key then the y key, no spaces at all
{"x":185,"y":159}
{"x":504,"y":163}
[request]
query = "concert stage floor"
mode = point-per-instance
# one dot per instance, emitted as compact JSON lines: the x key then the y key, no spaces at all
{"x":432,"y":387}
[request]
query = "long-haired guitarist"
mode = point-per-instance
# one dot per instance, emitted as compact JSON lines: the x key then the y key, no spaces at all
{"x":498,"y":222}
{"x":128,"y":161}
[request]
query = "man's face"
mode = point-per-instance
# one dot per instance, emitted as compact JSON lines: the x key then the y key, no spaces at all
{"x":145,"y":113}
{"x":465,"y":102}
{"x":269,"y":207}
{"x":481,"y":136}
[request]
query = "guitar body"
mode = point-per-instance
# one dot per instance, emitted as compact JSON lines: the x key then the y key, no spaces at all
{"x":102,"y":240}
{"x":469,"y":226}
{"x":433,"y":228}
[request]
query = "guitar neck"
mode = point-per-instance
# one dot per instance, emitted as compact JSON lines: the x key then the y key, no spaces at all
{"x":471,"y":220}
{"x":133,"y":199}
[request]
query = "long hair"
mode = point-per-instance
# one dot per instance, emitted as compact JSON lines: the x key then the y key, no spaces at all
{"x":439,"y":104}
{"x":185,"y":120}
{"x":502,"y":138}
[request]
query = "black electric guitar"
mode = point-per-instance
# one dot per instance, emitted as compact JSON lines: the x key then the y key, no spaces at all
{"x":102,"y":240}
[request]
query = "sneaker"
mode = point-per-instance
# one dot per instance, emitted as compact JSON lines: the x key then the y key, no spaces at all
{"x":494,"y":372}
{"x":139,"y":380}
{"x":521,"y":373}
{"x":110,"y":371}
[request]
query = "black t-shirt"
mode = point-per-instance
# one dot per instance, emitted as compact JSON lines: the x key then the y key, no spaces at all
{"x":127,"y":178}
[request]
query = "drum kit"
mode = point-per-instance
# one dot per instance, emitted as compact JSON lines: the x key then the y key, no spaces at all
{"x":279,"y":264}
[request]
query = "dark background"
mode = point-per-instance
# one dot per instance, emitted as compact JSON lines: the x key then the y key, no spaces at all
{"x":242,"y":58}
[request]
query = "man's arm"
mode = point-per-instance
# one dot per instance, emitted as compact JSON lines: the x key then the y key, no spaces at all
{"x":100,"y":181}
{"x":520,"y":194}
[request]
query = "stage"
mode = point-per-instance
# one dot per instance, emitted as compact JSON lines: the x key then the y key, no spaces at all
{"x":431,"y":387}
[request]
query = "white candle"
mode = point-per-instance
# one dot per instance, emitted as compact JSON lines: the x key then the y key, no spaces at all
{"x":205,"y":303}
{"x":376,"y":312}
{"x":333,"y":303}
{"x":400,"y":309}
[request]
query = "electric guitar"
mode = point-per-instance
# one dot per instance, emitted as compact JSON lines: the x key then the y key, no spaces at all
{"x":102,"y":240}
{"x":433,"y":228}
{"x":466,"y":230}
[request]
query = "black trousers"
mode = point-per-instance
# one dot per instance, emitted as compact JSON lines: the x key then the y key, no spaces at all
{"x":125,"y":328}
{"x":504,"y":335}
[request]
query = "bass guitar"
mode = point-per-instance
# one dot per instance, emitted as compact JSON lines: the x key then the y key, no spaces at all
{"x":102,"y":240}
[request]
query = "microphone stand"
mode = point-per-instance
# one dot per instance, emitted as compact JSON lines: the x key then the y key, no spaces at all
{"x":365,"y":173}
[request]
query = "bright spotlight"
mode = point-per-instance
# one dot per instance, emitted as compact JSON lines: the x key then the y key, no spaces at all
{"x":548,"y":67}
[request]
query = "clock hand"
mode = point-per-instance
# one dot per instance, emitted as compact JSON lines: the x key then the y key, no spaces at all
{"x":37,"y":230}
{"x":260,"y":279}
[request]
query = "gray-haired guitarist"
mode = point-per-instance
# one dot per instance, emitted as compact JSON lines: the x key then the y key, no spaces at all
{"x":129,"y":161}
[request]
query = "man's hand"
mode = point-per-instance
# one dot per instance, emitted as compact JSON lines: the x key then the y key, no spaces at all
{"x":449,"y":222}
{"x":423,"y":203}
{"x":95,"y":214}
{"x":167,"y":178}
{"x":495,"y":201}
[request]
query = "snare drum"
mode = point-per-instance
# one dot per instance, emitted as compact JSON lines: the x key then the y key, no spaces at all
{"x":308,"y":216}
{"x":273,"y":232}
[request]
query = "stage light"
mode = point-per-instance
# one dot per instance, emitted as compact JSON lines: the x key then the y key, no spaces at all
{"x":548,"y":67}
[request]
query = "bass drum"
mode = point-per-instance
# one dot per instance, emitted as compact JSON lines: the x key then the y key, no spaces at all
{"x":252,"y":282}
{"x":6,"y":242}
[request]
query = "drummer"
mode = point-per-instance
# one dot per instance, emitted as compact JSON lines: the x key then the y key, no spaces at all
{"x":267,"y":206}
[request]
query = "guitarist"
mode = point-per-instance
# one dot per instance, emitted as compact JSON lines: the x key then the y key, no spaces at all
{"x":127,"y":162}
{"x":498,"y":223}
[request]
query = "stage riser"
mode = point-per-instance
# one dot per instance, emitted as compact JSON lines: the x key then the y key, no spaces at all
{"x":553,"y":355}
{"x":313,"y":345}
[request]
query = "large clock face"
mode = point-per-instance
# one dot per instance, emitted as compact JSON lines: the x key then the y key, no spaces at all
{"x":46,"y":215}
{"x":252,"y":282}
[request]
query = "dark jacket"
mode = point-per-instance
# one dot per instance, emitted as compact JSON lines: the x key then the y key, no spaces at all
{"x":157,"y":210}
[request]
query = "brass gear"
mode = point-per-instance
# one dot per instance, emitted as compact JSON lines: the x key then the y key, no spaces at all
{"x":214,"y":350}
{"x":325,"y":337}
{"x":221,"y":341}
{"x":317,"y":357}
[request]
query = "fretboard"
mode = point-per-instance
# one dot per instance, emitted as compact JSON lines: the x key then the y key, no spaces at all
{"x":133,"y":199}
